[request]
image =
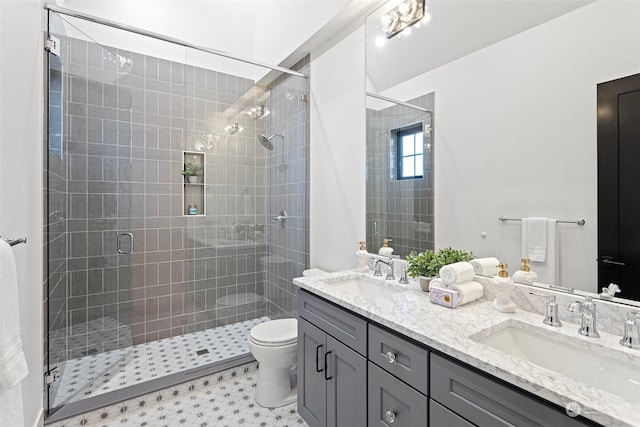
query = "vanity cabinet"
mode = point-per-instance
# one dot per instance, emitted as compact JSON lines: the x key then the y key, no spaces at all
{"x":353,"y":372}
{"x":332,"y":375}
{"x":394,"y":403}
{"x":485,"y":401}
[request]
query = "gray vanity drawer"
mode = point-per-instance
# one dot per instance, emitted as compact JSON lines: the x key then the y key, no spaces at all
{"x":388,"y":396}
{"x":489,"y":403}
{"x":340,"y":324}
{"x":409,"y":362}
{"x":439,"y":416}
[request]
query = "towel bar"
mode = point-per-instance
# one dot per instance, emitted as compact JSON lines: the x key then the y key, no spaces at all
{"x":578,"y":221}
{"x":13,"y":242}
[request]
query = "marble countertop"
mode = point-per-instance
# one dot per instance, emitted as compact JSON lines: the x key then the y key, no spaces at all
{"x":411,"y":313}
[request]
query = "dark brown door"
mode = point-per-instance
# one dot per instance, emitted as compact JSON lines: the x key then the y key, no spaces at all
{"x":619,"y":185}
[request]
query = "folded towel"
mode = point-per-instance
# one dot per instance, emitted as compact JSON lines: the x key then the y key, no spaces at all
{"x":13,"y":366}
{"x":467,"y":291}
{"x":534,"y":238}
{"x":457,"y":272}
{"x":436,"y":282}
{"x":548,"y":270}
{"x":485,"y":266}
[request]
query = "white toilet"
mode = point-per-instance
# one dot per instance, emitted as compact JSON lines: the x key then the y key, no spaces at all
{"x":274,"y":344}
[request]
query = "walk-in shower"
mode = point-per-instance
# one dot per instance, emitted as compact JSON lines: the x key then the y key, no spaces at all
{"x":154,"y":276}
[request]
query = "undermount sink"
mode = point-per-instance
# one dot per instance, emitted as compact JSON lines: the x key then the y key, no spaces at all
{"x":587,"y":362}
{"x":363,"y":287}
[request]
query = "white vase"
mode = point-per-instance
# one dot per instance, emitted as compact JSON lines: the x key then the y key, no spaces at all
{"x":193,"y":179}
{"x":424,"y":282}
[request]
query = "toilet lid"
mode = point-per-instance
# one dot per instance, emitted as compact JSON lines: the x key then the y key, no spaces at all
{"x":275,"y":332}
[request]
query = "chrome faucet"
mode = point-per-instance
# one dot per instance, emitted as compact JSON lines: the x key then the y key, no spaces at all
{"x":404,"y":279}
{"x":552,"y":318}
{"x":389,"y":263}
{"x":588,"y":310}
{"x":609,"y":292}
{"x":631,"y":336}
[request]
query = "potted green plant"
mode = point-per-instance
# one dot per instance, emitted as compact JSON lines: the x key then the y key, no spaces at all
{"x":192,"y":172}
{"x":426,"y":265}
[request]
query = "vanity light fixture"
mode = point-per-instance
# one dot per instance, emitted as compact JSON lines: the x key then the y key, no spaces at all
{"x":257,"y":112}
{"x":403,"y":16}
{"x":233,"y":129}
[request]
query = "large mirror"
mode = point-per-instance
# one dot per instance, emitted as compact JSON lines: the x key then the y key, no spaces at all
{"x":514,"y":132}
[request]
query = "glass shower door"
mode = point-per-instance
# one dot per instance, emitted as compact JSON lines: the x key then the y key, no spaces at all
{"x":90,"y":226}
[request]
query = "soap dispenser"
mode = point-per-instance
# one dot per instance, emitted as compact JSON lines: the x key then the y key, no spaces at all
{"x":385,"y":250}
{"x":504,"y":286}
{"x":362,"y":255}
{"x":525,"y":275}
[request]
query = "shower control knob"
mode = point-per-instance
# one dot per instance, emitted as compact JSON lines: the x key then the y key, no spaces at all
{"x":281,"y":218}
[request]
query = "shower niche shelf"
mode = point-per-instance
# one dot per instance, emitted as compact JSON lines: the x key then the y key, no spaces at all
{"x":194,"y":202}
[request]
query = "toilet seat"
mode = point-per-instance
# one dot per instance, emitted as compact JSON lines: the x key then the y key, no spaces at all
{"x":275,"y":333}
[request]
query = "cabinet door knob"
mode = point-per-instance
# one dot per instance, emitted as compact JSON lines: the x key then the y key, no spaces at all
{"x":390,"y":416}
{"x":391,"y":357}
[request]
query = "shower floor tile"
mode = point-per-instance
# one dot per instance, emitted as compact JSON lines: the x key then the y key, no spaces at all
{"x":151,"y":360}
{"x":219,"y":400}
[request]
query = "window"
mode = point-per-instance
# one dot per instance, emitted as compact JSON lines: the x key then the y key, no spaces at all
{"x":410,"y":152}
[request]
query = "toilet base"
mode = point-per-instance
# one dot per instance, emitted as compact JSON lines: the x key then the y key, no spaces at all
{"x":273,"y":388}
{"x":291,"y":398}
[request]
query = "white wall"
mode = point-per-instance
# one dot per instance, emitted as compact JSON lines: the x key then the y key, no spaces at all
{"x":337,"y":167}
{"x":261,"y":30}
{"x":21,"y":174}
{"x":515,"y":133}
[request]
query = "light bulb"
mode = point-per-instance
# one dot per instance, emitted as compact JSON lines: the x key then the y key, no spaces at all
{"x":380,"y":41}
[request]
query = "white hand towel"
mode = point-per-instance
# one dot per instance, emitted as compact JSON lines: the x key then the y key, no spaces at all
{"x":534,"y":238}
{"x":13,"y":366}
{"x":548,"y":271}
{"x":437,"y":283}
{"x":467,"y":291}
{"x":485,"y":266}
{"x":457,"y":272}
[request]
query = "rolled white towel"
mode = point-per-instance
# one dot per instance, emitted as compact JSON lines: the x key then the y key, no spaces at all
{"x":467,"y":291}
{"x":458,"y":272}
{"x":485,"y":266}
{"x":436,"y":282}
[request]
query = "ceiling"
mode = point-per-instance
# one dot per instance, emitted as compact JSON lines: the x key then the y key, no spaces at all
{"x":456,"y":29}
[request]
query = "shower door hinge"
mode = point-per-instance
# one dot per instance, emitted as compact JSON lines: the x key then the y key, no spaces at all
{"x":52,"y":45}
{"x":51,"y":376}
{"x":304,"y":97}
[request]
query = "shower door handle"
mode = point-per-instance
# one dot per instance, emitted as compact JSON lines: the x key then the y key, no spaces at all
{"x":119,"y":243}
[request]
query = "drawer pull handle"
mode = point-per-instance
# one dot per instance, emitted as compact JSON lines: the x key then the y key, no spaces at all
{"x":318,"y":369}
{"x":390,"y":416}
{"x":326,"y":366}
{"x":391,"y":357}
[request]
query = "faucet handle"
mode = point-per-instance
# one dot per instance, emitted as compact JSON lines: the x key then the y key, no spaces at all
{"x":631,"y":337}
{"x":403,"y":275}
{"x":552,"y":318}
{"x":634,"y":317}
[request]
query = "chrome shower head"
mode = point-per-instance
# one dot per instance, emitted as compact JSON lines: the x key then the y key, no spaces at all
{"x":267,"y":141}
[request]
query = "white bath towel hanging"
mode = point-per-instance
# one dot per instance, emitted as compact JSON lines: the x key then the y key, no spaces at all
{"x":547,"y":269}
{"x":534,"y":239}
{"x":13,"y":366}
